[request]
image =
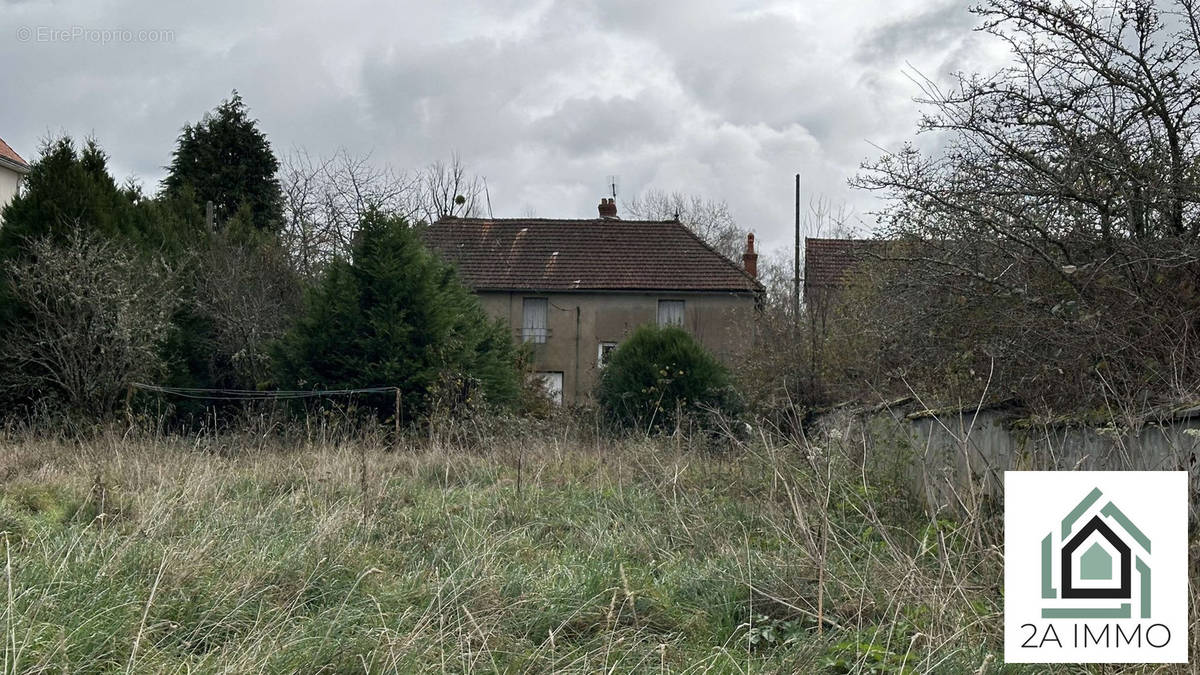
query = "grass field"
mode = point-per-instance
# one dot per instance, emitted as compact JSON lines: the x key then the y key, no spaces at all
{"x":546,"y":550}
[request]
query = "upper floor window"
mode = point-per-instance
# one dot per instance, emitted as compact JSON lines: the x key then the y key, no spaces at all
{"x":670,"y":312}
{"x":533,"y":325}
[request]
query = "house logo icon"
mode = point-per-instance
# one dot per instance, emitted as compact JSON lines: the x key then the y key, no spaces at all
{"x":1104,"y":557}
{"x":1079,"y":551}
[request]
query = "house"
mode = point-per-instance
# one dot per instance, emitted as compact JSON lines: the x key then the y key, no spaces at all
{"x":12,"y":170}
{"x":574,"y":289}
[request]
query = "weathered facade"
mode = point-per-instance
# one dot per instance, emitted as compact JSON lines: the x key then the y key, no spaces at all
{"x":574,"y":289}
{"x":581,"y":325}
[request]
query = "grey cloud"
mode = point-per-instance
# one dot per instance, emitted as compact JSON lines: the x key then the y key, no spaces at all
{"x":545,"y":97}
{"x":946,"y":23}
{"x":586,"y":126}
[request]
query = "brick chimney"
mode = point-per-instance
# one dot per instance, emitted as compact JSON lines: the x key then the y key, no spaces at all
{"x":750,"y":258}
{"x":608,"y":208}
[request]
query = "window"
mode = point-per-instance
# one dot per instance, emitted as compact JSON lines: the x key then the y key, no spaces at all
{"x":604,"y":353}
{"x":533,"y":326}
{"x":670,"y":312}
{"x":552,"y":383}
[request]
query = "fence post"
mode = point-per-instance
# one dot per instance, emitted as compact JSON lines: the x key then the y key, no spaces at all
{"x":397,"y":415}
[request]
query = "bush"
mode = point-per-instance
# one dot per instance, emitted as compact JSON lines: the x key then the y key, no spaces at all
{"x":241,"y":296}
{"x":94,"y":316}
{"x":659,"y":375}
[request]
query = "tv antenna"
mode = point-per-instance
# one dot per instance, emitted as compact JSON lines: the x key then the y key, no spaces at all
{"x":612,"y":185}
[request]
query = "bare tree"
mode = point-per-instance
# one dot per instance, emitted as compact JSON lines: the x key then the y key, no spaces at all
{"x":448,"y":190}
{"x":325,"y":199}
{"x":306,"y":234}
{"x":777,"y":370}
{"x":1091,"y":134}
{"x":247,"y":290}
{"x":710,"y":219}
{"x":94,"y":315}
{"x":1053,"y":231}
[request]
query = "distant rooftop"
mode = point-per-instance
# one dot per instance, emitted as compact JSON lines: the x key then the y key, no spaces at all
{"x":830,"y":263}
{"x":606,"y":253}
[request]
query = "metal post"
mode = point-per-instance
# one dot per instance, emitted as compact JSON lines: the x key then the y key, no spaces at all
{"x":796,"y":263}
{"x":577,"y":328}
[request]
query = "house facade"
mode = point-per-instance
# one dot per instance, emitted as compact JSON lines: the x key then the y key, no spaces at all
{"x":575,"y":289}
{"x":12,"y":171}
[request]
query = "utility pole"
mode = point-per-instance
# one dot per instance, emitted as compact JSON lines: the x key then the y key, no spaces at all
{"x":796,"y":265}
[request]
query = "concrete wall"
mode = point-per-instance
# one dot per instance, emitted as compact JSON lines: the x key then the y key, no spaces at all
{"x":579,"y":322}
{"x":956,"y":461}
{"x":9,"y":180}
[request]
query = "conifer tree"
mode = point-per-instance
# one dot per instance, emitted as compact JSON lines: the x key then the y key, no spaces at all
{"x":226,"y":159}
{"x":237,"y":299}
{"x":396,"y":315}
{"x":82,"y":292}
{"x":66,"y":189}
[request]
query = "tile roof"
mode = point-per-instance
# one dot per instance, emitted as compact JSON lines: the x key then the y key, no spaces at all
{"x":604,"y":254}
{"x":829,"y":263}
{"x":7,"y":153}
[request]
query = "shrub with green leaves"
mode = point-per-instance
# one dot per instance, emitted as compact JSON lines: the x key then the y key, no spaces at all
{"x":660,"y":374}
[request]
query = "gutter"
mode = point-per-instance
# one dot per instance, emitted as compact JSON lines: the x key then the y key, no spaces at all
{"x":14,"y":166}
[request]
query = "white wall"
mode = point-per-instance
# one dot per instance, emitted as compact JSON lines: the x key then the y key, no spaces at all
{"x":9,"y":180}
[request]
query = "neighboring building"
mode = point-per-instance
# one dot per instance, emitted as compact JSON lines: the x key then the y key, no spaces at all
{"x":574,"y":289}
{"x":829,"y":266}
{"x":12,"y":170}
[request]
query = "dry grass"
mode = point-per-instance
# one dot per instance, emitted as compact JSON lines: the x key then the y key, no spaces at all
{"x":545,"y":549}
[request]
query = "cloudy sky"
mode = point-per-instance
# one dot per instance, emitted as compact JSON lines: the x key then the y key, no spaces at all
{"x":546,"y":98}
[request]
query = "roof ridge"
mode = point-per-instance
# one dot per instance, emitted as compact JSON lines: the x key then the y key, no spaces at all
{"x":607,"y":221}
{"x":848,"y":239}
